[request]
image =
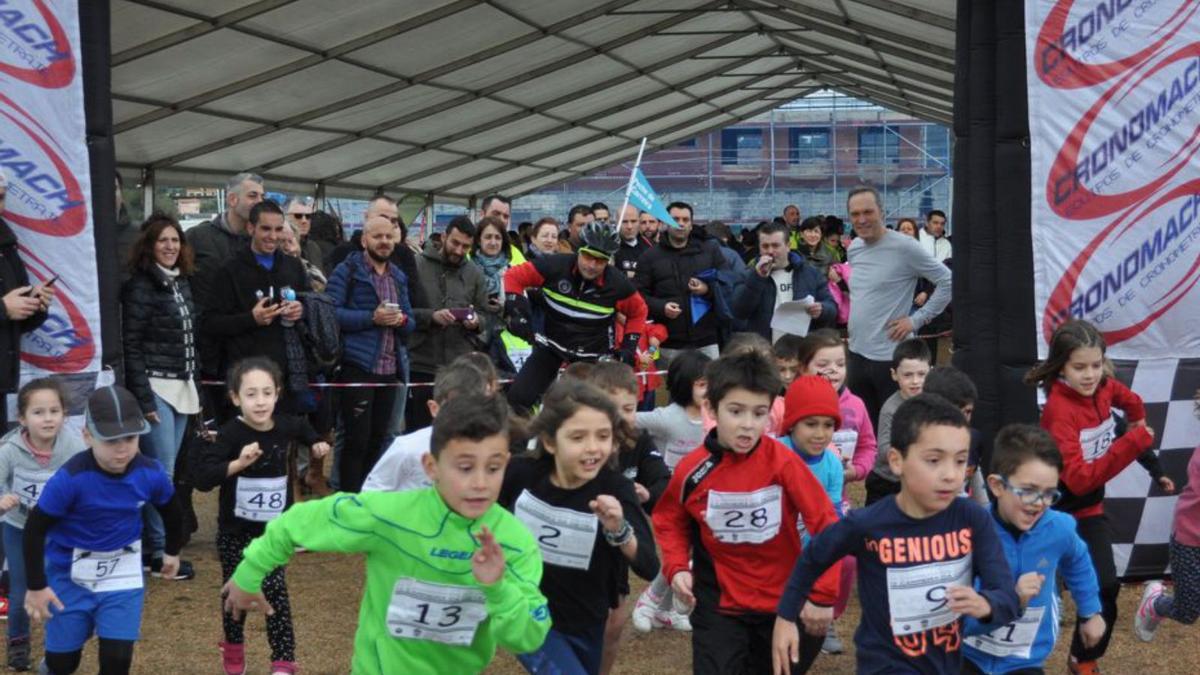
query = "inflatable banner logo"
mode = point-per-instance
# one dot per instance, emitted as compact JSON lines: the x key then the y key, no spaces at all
{"x":1115,"y":150}
{"x":33,"y":45}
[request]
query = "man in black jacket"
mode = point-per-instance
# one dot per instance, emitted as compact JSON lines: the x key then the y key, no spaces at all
{"x":668,"y":276}
{"x":25,"y":308}
{"x":248,"y":312}
{"x":632,"y":244}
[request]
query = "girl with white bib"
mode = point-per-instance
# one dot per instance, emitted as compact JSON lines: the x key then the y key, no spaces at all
{"x":586,"y":518}
{"x":250,"y":463}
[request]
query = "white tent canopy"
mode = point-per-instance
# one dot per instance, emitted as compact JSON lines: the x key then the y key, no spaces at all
{"x":460,"y":98}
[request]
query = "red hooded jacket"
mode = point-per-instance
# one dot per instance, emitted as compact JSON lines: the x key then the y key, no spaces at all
{"x":745,"y":565}
{"x":1084,"y":430}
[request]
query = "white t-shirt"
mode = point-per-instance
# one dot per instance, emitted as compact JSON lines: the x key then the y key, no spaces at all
{"x":399,"y":468}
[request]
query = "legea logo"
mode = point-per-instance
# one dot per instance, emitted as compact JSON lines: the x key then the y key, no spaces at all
{"x":1135,"y":270}
{"x":64,"y":343}
{"x":1079,"y":41}
{"x":33,"y":45}
{"x":43,"y":193}
{"x":1148,"y":133}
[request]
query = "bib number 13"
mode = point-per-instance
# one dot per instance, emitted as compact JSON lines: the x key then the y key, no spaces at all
{"x":450,"y":615}
{"x":439,"y":613}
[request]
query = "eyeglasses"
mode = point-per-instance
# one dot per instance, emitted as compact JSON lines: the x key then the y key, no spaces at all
{"x":301,"y":216}
{"x":1029,"y":496}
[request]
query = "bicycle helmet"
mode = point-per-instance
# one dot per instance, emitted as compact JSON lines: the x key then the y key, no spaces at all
{"x":599,"y":240}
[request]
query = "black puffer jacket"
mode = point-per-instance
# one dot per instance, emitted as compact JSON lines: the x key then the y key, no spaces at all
{"x":239,"y":285}
{"x":12,"y":275}
{"x":158,"y":332}
{"x":662,"y":277}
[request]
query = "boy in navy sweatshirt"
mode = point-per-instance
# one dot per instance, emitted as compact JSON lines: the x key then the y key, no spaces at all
{"x":919,"y":553}
{"x":1038,"y":544}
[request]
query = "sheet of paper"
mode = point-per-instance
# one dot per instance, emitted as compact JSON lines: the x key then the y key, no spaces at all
{"x":792,"y":317}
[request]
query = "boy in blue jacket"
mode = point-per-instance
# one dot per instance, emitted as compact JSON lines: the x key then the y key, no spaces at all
{"x":1038,"y":542}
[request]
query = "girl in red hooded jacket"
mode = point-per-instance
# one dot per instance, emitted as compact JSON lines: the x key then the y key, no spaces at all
{"x":1080,"y":396}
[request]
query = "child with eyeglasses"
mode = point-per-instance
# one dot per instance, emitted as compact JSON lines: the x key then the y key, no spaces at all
{"x":1038,"y":543}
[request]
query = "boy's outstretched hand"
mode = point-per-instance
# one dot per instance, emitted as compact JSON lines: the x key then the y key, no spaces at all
{"x":1092,"y":630}
{"x":816,"y":619}
{"x":488,"y":562}
{"x":38,"y":603}
{"x":785,"y":646}
{"x":237,"y":601}
{"x":1028,"y":586}
{"x":681,"y":583}
{"x":964,"y":600}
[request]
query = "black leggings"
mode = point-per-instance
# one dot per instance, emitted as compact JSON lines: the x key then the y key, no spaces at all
{"x":116,"y":657}
{"x":538,"y":373}
{"x":872,"y":382}
{"x":280,"y":636}
{"x":1097,"y":534}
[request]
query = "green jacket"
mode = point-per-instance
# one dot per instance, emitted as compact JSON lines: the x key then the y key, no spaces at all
{"x":418,"y":555}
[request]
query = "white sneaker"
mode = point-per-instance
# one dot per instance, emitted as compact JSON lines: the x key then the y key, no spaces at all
{"x":673,"y":620}
{"x":643,"y":615}
{"x":1146,"y":620}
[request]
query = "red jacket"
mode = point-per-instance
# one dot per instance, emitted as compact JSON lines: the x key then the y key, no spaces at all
{"x":743,"y":576}
{"x":1084,"y":430}
{"x":650,"y":380}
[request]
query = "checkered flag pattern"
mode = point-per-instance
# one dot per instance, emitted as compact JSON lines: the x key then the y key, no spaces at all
{"x":1139,"y":511}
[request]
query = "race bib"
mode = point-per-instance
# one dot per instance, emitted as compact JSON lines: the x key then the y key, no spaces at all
{"x":744,"y":517}
{"x":846,"y":441}
{"x":1097,"y":440}
{"x":1014,"y":639}
{"x":28,"y":487}
{"x":435,"y":612}
{"x":260,"y":499}
{"x":566,"y":537}
{"x":104,"y":571}
{"x":917,"y":595}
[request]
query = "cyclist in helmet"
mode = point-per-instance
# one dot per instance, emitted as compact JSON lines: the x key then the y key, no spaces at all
{"x":581,"y":295}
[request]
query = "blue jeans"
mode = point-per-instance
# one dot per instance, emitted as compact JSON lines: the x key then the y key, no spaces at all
{"x":162,"y":443}
{"x":18,"y":620}
{"x":564,"y":654}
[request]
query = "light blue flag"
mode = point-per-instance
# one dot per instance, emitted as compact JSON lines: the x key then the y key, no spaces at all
{"x":643,"y":198}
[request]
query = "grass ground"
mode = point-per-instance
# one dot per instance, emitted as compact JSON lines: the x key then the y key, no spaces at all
{"x":182,"y":625}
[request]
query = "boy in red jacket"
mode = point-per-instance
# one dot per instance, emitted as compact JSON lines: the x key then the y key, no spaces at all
{"x":733,"y":505}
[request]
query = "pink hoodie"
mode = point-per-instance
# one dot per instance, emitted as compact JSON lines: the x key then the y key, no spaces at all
{"x":1187,"y":509}
{"x":856,"y":437}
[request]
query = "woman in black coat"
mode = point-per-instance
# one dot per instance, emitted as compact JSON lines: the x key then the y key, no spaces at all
{"x":159,"y":339}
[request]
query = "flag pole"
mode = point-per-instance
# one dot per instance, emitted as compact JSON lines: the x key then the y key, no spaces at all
{"x":629,"y":186}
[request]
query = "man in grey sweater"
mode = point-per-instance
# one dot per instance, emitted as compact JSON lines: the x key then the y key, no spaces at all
{"x":886,"y":266}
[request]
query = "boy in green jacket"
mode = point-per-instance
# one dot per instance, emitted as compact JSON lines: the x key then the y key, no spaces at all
{"x":450,"y":575}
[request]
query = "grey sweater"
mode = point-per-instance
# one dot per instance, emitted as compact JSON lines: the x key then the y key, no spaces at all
{"x":21,"y":473}
{"x":882,"y":286}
